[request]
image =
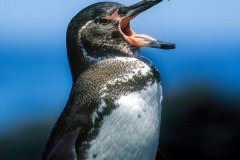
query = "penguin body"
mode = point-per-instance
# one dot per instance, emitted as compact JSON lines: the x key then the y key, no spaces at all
{"x":114,"y":109}
{"x":118,"y":111}
{"x":132,"y":111}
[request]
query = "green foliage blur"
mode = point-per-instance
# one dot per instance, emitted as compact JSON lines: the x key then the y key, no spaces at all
{"x":197,"y":124}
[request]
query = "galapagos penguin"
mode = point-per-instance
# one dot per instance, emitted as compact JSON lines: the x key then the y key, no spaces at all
{"x":114,"y":108}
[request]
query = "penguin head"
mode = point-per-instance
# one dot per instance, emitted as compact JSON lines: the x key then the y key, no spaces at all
{"x":102,"y":30}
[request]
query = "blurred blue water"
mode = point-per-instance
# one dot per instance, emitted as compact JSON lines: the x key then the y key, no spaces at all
{"x":35,"y":79}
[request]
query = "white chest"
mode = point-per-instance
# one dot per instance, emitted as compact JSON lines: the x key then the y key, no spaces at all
{"x":132,"y":130}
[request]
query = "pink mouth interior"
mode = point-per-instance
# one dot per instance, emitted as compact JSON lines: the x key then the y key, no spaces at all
{"x":138,"y":40}
{"x":124,"y":27}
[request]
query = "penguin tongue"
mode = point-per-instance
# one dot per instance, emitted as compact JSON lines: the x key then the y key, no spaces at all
{"x":139,"y":40}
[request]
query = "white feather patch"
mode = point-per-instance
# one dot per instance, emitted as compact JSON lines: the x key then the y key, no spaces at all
{"x":132,"y":130}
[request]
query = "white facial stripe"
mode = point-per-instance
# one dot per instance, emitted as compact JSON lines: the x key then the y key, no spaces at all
{"x":90,"y":58}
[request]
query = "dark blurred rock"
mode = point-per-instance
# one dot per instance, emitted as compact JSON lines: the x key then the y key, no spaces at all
{"x":200,"y":124}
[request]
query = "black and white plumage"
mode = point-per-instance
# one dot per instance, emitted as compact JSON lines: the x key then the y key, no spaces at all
{"x":114,"y":108}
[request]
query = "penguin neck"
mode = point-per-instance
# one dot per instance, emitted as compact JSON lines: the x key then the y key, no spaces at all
{"x":79,"y":60}
{"x":75,"y":60}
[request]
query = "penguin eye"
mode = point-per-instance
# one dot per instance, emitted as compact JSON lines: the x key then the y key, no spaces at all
{"x":104,"y":21}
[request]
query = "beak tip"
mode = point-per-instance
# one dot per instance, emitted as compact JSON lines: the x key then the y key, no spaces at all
{"x":168,"y":46}
{"x":174,"y":46}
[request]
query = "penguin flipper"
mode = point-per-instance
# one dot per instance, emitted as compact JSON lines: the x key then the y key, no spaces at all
{"x":160,"y":155}
{"x":65,"y":149}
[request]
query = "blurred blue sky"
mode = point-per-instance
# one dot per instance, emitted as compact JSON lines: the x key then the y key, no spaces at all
{"x":35,"y":79}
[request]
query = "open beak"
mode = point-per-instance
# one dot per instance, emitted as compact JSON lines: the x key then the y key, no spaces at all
{"x":139,"y":40}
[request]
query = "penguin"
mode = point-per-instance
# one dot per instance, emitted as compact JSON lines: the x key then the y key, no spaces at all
{"x":114,"y":108}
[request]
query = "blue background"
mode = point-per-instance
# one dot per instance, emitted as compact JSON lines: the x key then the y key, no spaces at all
{"x":35,"y":79}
